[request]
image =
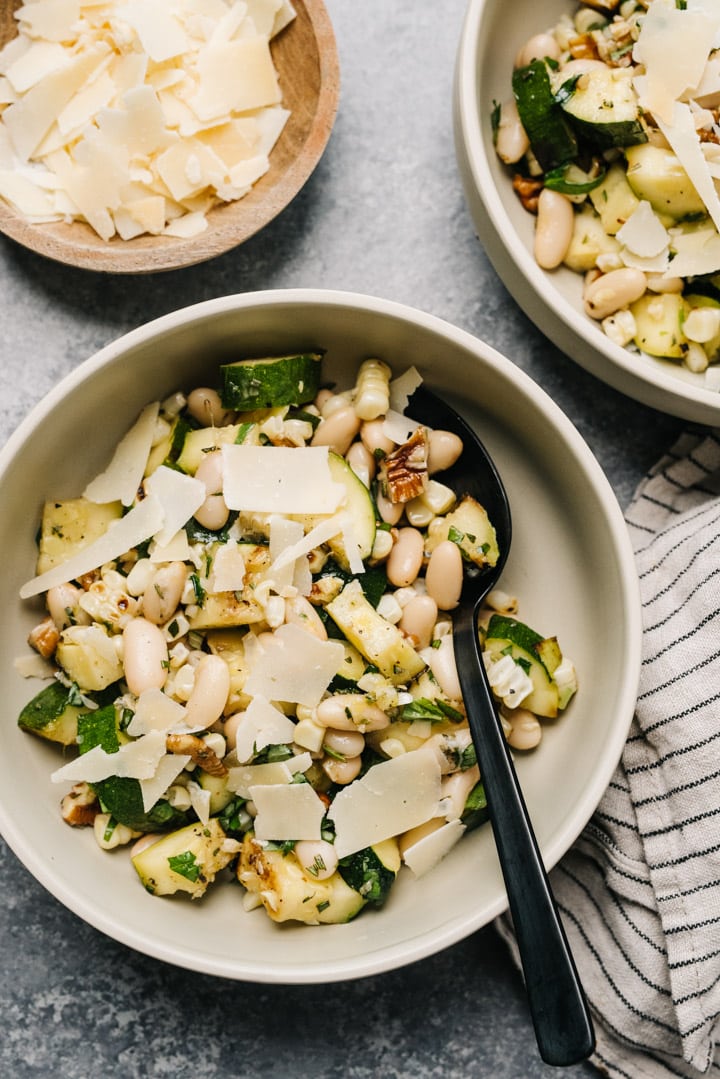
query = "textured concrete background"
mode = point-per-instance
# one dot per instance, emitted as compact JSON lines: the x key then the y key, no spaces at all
{"x":383,"y":214}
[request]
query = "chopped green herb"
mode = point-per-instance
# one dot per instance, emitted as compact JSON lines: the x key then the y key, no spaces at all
{"x":185,"y":865}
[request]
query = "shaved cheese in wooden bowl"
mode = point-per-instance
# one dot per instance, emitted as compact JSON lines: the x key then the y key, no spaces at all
{"x":143,"y":136}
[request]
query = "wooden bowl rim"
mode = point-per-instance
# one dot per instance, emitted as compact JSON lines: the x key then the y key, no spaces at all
{"x":230,"y":224}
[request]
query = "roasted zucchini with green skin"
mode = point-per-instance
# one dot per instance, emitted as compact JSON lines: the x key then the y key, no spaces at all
{"x":184,"y":861}
{"x":53,"y":712}
{"x":288,"y":893}
{"x":271,"y":381}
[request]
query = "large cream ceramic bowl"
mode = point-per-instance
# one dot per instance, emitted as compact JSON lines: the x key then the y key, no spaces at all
{"x":493,"y":32}
{"x":570,"y":564}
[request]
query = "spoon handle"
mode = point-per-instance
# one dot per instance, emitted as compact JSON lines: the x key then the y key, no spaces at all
{"x":559,"y":1010}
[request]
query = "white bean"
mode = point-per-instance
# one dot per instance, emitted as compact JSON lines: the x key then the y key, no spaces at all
{"x":317,"y":857}
{"x":210,"y":692}
{"x":537,"y":48}
{"x":553,"y":229}
{"x":441,"y":661}
{"x":346,"y":743}
{"x":444,"y":448}
{"x":361,"y":461}
{"x":525,"y":729}
{"x":62,"y":604}
{"x":205,"y":406}
{"x":342,"y":772}
{"x":373,"y":437}
{"x":213,"y":513}
{"x":606,"y":294}
{"x":390,"y":512}
{"x":162,"y":595}
{"x":455,"y":789}
{"x":350,"y":712}
{"x":444,"y":575}
{"x":145,"y":656}
{"x":511,"y":141}
{"x":405,"y":560}
{"x":338,"y":430}
{"x":418,"y":619}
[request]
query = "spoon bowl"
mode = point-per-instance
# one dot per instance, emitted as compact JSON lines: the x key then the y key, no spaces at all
{"x":305,"y":58}
{"x":559,"y":1010}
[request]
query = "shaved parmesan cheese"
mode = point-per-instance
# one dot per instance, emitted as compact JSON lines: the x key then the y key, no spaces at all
{"x":289,"y":811}
{"x":294,"y":666}
{"x":200,"y":801}
{"x":177,"y":549}
{"x":134,"y":760}
{"x":673,"y":45}
{"x":179,"y":495}
{"x":155,"y":711}
{"x":695,"y":253}
{"x":169,"y":768}
{"x":431,"y":849}
{"x":240,"y":780}
{"x":403,"y":387}
{"x":643,"y":232}
{"x":161,"y":35}
{"x":235,"y":76}
{"x":389,"y":799}
{"x":228,"y":569}
{"x":279,"y":479}
{"x":123,"y":534}
{"x":684,"y":140}
{"x":397,"y":427}
{"x":284,"y":535}
{"x":262,"y":725}
{"x":321,"y":533}
{"x":185,"y":94}
{"x":121,"y":479}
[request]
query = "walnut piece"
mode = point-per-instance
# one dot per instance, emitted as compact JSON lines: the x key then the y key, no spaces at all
{"x":199,"y":751}
{"x":403,"y":473}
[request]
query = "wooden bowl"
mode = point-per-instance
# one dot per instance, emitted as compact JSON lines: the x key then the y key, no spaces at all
{"x":305,"y":57}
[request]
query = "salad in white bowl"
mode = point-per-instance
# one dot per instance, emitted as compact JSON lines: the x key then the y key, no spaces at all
{"x":611,"y":132}
{"x":248,"y":642}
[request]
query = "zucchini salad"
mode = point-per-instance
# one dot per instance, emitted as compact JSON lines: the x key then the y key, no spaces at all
{"x":248,"y":643}
{"x":613,"y":139}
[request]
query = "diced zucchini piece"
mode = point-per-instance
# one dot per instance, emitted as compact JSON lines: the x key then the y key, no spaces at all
{"x":271,"y":381}
{"x":119,"y":795}
{"x":167,"y":451}
{"x":695,"y":300}
{"x":469,"y":526}
{"x":614,"y":199}
{"x":71,"y":524}
{"x":589,"y":240}
{"x":88,"y":656}
{"x":371,"y":872}
{"x":202,"y":440}
{"x":288,"y":894}
{"x":50,"y":715}
{"x":602,"y":106}
{"x":221,"y":610}
{"x":228,"y":644}
{"x":378,"y":640}
{"x":508,"y":636}
{"x":352,"y":666}
{"x":658,"y":324}
{"x":184,"y":861}
{"x":655,"y":174}
{"x":220,"y":796}
{"x":551,"y":138}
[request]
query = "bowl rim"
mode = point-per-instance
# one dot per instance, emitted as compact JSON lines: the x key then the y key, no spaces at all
{"x":144,"y":254}
{"x":389,"y":956}
{"x":653,"y":384}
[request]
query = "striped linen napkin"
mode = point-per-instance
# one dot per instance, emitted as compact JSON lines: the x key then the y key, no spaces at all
{"x":639,"y":892}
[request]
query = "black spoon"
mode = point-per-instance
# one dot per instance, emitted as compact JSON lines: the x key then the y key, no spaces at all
{"x":559,"y":1010}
